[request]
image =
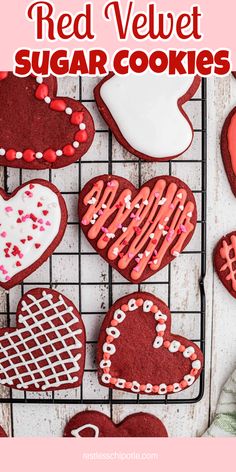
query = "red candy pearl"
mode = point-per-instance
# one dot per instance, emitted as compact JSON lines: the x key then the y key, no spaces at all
{"x":11,"y":154}
{"x":49,"y":155}
{"x":41,"y":92}
{"x":77,"y":117}
{"x":81,"y":136}
{"x":58,"y":105}
{"x":68,"y":150}
{"x":3,"y":75}
{"x":29,"y":155}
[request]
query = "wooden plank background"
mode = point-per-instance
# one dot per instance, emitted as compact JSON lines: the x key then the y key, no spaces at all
{"x":184,"y":419}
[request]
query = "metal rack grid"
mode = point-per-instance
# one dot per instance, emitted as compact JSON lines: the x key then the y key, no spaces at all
{"x":111,"y":398}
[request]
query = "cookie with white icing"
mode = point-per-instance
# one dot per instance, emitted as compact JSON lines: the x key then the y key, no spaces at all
{"x":225,"y":262}
{"x":138,"y":353}
{"x":32,"y":223}
{"x":39,"y":129}
{"x":46,"y":349}
{"x":137,"y":231}
{"x":87,"y":424}
{"x":146,"y":113}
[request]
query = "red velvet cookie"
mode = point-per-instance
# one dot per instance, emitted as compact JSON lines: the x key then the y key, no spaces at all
{"x":228,"y":148}
{"x":137,"y":231}
{"x":2,"y":433}
{"x":234,"y":74}
{"x":38,"y":129}
{"x":146,"y":114}
{"x":225,"y":262}
{"x":46,"y":350}
{"x":32,"y":223}
{"x":89,"y":424}
{"x":138,"y":353}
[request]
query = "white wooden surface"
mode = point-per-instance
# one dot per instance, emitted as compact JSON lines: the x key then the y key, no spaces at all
{"x":180,"y":420}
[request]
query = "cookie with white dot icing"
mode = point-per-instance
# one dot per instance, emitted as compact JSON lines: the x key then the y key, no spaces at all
{"x":33,"y":220}
{"x":145,"y":112}
{"x":138,"y":353}
{"x":39,"y":129}
{"x":87,"y":424}
{"x":46,"y":349}
{"x":137,"y":231}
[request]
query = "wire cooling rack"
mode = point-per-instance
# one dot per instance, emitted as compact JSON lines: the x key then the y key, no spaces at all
{"x":77,"y":271}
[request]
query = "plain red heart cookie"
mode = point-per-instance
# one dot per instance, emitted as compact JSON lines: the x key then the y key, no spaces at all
{"x":32,"y":223}
{"x":46,"y":350}
{"x":38,"y":129}
{"x":95,"y":424}
{"x":224,"y":262}
{"x":137,"y":231}
{"x":2,"y":433}
{"x":228,"y":148}
{"x":138,"y":353}
{"x":146,"y":114}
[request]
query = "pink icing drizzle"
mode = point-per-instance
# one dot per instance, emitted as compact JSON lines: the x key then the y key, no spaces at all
{"x":225,"y":254}
{"x":232,"y":142}
{"x":147,"y":211}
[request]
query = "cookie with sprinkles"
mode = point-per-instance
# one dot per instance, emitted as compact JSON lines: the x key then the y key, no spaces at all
{"x":87,"y":424}
{"x":32,"y":223}
{"x":39,"y":129}
{"x":225,"y":262}
{"x":145,"y":112}
{"x":2,"y":433}
{"x":46,"y":349}
{"x":137,"y":231}
{"x":138,"y":353}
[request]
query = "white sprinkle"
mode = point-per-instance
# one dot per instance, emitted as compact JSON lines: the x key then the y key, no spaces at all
{"x":160,"y":226}
{"x":115,"y":251}
{"x":68,"y":111}
{"x":176,"y":253}
{"x":137,"y":205}
{"x":92,"y":201}
{"x":39,"y":155}
{"x":166,"y":219}
{"x":145,"y":202}
{"x":95,"y":216}
{"x":82,"y":126}
{"x":164,"y":233}
{"x":124,"y":229}
{"x":19,"y":155}
{"x":179,"y":196}
{"x":181,"y":207}
{"x":47,"y":100}
{"x":76,"y":144}
{"x":104,"y":206}
{"x":140,"y":255}
{"x":110,"y":235}
{"x":151,"y":235}
{"x":39,"y":80}
{"x":2,"y":152}
{"x":147,"y":253}
{"x":190,"y":214}
{"x":59,"y":152}
{"x":92,"y":222}
{"x":162,"y":201}
{"x":155,"y":262}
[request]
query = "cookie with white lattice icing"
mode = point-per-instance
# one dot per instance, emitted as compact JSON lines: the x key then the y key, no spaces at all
{"x":137,"y":231}
{"x":88,"y":424}
{"x":33,"y":220}
{"x":39,"y":129}
{"x":145,"y":112}
{"x":46,"y":349}
{"x":225,"y":262}
{"x":138,"y":353}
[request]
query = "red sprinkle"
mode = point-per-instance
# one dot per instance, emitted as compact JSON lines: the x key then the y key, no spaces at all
{"x":39,"y":204}
{"x":34,"y":226}
{"x":29,"y":155}
{"x":37,"y":245}
{"x":41,"y":91}
{"x":81,"y":136}
{"x":49,"y":155}
{"x":29,"y":238}
{"x":58,"y":105}
{"x":68,"y":150}
{"x":18,"y":263}
{"x":77,"y":117}
{"x":11,"y":154}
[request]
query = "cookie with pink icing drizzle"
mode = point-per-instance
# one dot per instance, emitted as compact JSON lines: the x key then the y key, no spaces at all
{"x":137,"y":231}
{"x":225,"y":262}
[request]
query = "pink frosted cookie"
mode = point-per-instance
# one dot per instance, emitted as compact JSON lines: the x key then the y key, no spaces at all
{"x":39,"y":129}
{"x":138,"y":353}
{"x":225,"y":262}
{"x":46,"y":349}
{"x":137,"y":231}
{"x":89,"y":424}
{"x":32,"y":224}
{"x":146,"y":114}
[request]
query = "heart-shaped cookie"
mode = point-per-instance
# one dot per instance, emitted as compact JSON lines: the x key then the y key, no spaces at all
{"x":224,"y":262}
{"x":2,"y":433}
{"x":32,"y":223}
{"x":46,"y":350}
{"x":146,"y":114}
{"x":137,"y":231}
{"x":38,"y":129}
{"x":89,"y":424}
{"x":138,"y":353}
{"x":228,"y":148}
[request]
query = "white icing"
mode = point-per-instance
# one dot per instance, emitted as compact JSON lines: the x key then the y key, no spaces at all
{"x":174,"y":346}
{"x":146,"y":112}
{"x":162,"y":389}
{"x":44,"y":325}
{"x":132,"y":304}
{"x":188,"y":351}
{"x":109,"y":348}
{"x":158,"y":342}
{"x":120,"y":383}
{"x":177,"y":387}
{"x":189,"y":379}
{"x":76,"y":432}
{"x":147,"y":305}
{"x":148,"y":388}
{"x":196,"y":364}
{"x":112,"y":331}
{"x":119,"y":316}
{"x":14,"y":233}
{"x":135,"y":386}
